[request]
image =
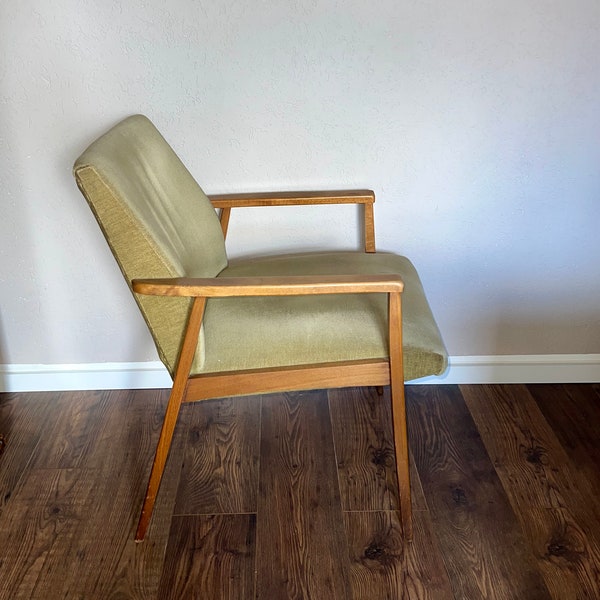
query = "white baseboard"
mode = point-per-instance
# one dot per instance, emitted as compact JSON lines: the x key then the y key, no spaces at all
{"x":94,"y":376}
{"x":544,"y":368}
{"x":528,"y":368}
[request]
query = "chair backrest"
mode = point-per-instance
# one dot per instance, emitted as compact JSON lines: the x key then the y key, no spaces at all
{"x":156,"y":219}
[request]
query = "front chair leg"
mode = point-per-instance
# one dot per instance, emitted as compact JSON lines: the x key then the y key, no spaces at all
{"x":399,"y":414}
{"x":186,"y":356}
{"x":402,"y":460}
{"x":160,"y":459}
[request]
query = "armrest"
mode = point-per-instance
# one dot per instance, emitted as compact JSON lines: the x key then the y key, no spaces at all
{"x":293,"y":198}
{"x":221,"y":287}
{"x":226,"y":202}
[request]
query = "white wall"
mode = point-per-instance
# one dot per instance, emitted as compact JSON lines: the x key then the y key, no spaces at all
{"x":477,"y":123}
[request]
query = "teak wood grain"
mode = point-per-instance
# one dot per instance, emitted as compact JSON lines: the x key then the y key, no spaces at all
{"x":501,"y":484}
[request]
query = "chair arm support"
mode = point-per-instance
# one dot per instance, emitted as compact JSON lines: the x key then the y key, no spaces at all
{"x":226,"y":202}
{"x":217,"y":287}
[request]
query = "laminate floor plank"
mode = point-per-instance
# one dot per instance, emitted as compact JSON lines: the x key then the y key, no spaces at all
{"x":383,"y":566}
{"x":363,"y":440}
{"x":562,"y":549}
{"x":210,"y":557}
{"x":140,"y":566}
{"x":220,"y":470}
{"x":44,"y":514}
{"x":479,"y":536}
{"x":504,"y":483}
{"x":25,"y":420}
{"x":541,"y":483}
{"x":573,"y":413}
{"x":426,"y":575}
{"x":364,"y":446}
{"x":376,"y":550}
{"x":68,"y":565}
{"x":100,"y":545}
{"x":301,"y":545}
{"x":77,"y":425}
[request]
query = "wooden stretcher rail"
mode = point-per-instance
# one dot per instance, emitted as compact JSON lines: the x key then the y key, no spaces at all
{"x":374,"y":372}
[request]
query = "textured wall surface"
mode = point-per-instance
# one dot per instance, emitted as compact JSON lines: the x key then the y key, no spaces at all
{"x":476,"y":123}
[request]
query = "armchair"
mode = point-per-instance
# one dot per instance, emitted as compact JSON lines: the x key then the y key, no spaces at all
{"x":279,"y":323}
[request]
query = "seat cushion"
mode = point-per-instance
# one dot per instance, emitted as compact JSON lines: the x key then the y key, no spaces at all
{"x":257,"y":332}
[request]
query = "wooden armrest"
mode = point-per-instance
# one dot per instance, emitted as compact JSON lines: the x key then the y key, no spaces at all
{"x":226,"y":202}
{"x":293,"y":198}
{"x":221,"y":287}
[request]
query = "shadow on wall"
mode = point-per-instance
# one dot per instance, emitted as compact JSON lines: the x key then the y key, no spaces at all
{"x":576,"y":333}
{"x":524,"y":348}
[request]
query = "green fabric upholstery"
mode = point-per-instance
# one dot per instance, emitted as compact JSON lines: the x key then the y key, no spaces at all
{"x":248,"y":333}
{"x":156,"y":219}
{"x":159,"y":223}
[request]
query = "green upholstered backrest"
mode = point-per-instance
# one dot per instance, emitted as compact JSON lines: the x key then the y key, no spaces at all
{"x":155,"y":217}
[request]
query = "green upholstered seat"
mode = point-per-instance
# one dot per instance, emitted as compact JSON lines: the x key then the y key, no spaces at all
{"x":159,"y":223}
{"x":248,"y":333}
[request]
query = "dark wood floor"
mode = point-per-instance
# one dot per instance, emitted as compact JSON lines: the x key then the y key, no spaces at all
{"x":292,"y":496}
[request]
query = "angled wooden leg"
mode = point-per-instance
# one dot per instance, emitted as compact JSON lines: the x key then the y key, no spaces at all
{"x":186,"y":356}
{"x":399,"y":413}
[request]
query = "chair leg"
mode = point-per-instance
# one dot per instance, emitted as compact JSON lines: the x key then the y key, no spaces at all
{"x":186,"y":356}
{"x":402,"y":460}
{"x":399,"y":414}
{"x":160,"y":460}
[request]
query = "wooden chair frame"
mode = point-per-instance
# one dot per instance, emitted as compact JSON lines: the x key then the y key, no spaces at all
{"x":188,"y":388}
